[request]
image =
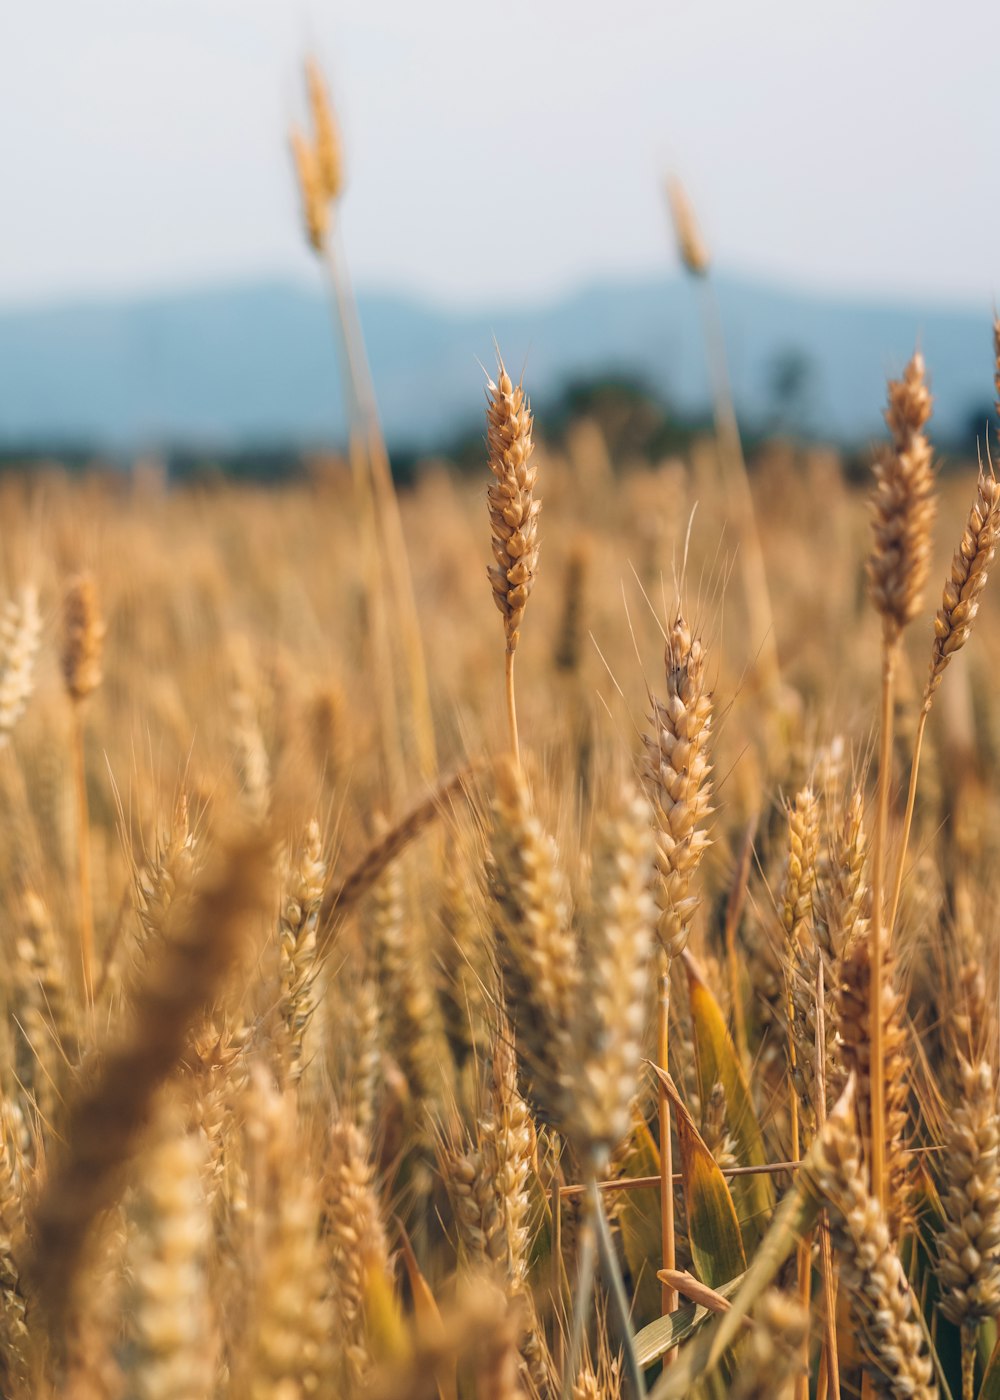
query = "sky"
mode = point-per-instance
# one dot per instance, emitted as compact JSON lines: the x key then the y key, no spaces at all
{"x":502,"y":152}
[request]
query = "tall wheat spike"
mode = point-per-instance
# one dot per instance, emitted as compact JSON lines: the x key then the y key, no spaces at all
{"x":903,"y":510}
{"x":513,"y":514}
{"x":952,"y":629}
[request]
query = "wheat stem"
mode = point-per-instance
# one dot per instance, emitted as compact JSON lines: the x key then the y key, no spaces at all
{"x":830,"y":1375}
{"x":618,"y":1294}
{"x":890,"y":648}
{"x":668,"y":1241}
{"x":512,"y":709}
{"x":911,"y":797}
{"x":586,"y":1271}
{"x":738,"y":481}
{"x":970,"y":1331}
{"x":385,"y":503}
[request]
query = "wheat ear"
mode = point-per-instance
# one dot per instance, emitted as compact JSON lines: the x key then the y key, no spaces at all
{"x":882,"y":1302}
{"x":676,"y":775}
{"x":297,"y":945}
{"x":538,"y":953}
{"x":291,"y":1315}
{"x":855,"y":1047}
{"x":20,"y":634}
{"x":968,"y":1245}
{"x":617,"y":945}
{"x":329,"y":154}
{"x":315,"y":209}
{"x":356,"y":1238}
{"x":513,"y":515}
{"x":797,"y":921}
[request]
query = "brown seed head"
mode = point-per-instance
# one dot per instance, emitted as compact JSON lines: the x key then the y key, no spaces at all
{"x":328,"y":150}
{"x":853,"y":1025}
{"x":690,"y":244}
{"x":800,"y":871}
{"x":882,"y":1302}
{"x":83,"y":637}
{"x":315,"y":210}
{"x":512,"y":506}
{"x":903,"y":505}
{"x":968,"y":1265}
{"x":617,"y":945}
{"x":969,"y":571}
{"x":536,"y":945}
{"x":676,"y":776}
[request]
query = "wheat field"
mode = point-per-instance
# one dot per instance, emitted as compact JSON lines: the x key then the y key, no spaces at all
{"x":531,"y":934}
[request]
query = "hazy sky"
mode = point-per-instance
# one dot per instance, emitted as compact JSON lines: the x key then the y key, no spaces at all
{"x":503,"y":150}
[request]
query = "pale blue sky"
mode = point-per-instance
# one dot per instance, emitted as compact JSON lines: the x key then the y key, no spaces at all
{"x":505,"y":150}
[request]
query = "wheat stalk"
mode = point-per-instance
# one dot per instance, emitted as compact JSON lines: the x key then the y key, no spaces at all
{"x":903,"y":508}
{"x":952,"y":629}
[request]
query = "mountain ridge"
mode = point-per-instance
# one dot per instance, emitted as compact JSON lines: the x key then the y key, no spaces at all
{"x":255,"y":360}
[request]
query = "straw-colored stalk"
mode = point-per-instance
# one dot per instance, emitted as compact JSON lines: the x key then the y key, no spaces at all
{"x":319,"y":167}
{"x":676,"y":775}
{"x":903,"y":508}
{"x":695,"y":256}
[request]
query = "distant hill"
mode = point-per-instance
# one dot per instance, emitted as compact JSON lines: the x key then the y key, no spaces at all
{"x":256,"y":362}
